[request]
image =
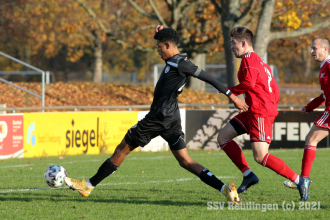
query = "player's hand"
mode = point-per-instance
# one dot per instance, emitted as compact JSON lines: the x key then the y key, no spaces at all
{"x":158,"y":28}
{"x":239,"y":104}
{"x":304,"y":111}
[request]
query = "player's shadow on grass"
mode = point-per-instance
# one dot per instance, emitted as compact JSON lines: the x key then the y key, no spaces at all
{"x":167,"y":190}
{"x":132,"y":199}
{"x":136,"y":200}
{"x":28,"y":197}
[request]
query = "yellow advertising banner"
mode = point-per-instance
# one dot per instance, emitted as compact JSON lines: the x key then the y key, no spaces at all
{"x":72,"y":133}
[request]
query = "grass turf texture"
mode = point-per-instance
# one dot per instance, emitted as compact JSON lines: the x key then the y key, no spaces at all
{"x":154,"y":186}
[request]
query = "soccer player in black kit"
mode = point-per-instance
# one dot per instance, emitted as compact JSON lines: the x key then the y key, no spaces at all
{"x":164,"y":119}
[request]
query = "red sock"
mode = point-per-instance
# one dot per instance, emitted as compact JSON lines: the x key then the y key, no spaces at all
{"x":235,"y":153}
{"x":278,"y":165}
{"x":307,"y":161}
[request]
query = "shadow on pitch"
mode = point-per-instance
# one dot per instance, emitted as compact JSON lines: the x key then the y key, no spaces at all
{"x":68,"y":196}
{"x":102,"y":198}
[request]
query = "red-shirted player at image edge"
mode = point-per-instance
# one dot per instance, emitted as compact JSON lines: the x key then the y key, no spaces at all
{"x":320,"y":51}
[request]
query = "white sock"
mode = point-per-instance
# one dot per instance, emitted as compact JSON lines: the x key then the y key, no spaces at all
{"x":247,"y":172}
{"x":88,"y":184}
{"x":223,"y":189}
{"x":297,"y":181}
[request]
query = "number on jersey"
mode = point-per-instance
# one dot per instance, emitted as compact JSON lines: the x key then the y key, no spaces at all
{"x":269,"y":79}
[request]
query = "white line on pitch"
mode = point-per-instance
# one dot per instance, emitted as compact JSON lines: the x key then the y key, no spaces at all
{"x":156,"y":158}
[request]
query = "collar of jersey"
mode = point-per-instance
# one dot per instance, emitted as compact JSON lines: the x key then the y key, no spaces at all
{"x":179,"y":54}
{"x":323,"y":62}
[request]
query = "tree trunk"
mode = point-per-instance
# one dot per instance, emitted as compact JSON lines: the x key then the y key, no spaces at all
{"x":231,"y":73}
{"x":98,"y":63}
{"x":261,"y":39}
{"x":228,"y":17}
{"x":197,"y":84}
{"x":307,"y":61}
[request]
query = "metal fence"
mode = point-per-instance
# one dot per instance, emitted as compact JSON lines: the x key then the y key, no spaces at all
{"x":128,"y":107}
{"x":37,"y":70}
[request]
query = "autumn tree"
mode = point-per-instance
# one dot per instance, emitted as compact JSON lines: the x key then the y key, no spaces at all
{"x":49,"y":27}
{"x":192,"y":20}
{"x":285,"y":23}
{"x":294,"y":25}
{"x":41,"y":30}
{"x":195,"y":23}
{"x":123,"y":29}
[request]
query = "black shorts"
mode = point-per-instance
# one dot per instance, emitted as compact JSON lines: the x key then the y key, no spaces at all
{"x":149,"y":128}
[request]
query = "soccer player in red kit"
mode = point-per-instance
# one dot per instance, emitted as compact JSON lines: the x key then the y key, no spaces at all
{"x":262,"y":96}
{"x":320,"y":51}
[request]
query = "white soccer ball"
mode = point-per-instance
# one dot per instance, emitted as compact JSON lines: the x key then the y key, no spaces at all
{"x":54,"y":175}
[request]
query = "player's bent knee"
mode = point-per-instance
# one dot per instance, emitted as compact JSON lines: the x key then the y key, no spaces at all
{"x":310,"y":140}
{"x":187,"y":164}
{"x":183,"y":164}
{"x":258,"y":159}
{"x":123,"y":148}
{"x":179,"y":144}
{"x":221,"y":139}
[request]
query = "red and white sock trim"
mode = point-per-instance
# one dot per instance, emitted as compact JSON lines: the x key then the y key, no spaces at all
{"x":224,"y":144}
{"x":310,"y":147}
{"x":264,"y":161}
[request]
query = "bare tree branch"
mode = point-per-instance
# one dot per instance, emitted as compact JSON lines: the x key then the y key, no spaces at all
{"x":143,"y":28}
{"x":109,"y":34}
{"x":299,"y":32}
{"x":141,"y":10}
{"x":217,"y":8}
{"x":251,"y":21}
{"x":125,"y":45}
{"x":159,"y":17}
{"x":187,"y":8}
{"x":176,"y":13}
{"x":91,"y":13}
{"x":192,"y":4}
{"x":245,"y":13}
{"x":193,"y":46}
{"x":169,"y":3}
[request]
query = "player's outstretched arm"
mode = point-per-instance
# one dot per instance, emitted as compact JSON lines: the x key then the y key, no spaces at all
{"x":206,"y":77}
{"x":315,"y":103}
{"x":186,"y":67}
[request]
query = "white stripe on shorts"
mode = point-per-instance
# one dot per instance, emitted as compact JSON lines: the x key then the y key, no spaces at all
{"x":323,"y":118}
{"x":261,"y":126}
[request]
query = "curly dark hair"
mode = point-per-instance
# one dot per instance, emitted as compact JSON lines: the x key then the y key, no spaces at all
{"x":242,"y":33}
{"x":167,"y":35}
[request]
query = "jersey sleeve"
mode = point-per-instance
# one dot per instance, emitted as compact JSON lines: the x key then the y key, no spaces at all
{"x":316,"y":102}
{"x":247,"y":80}
{"x":206,"y":77}
{"x":186,"y":67}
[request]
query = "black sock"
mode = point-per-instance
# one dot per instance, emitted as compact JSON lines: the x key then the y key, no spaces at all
{"x":104,"y":171}
{"x":207,"y":177}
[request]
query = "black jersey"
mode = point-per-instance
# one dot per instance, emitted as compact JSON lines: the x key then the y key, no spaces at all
{"x":174,"y":76}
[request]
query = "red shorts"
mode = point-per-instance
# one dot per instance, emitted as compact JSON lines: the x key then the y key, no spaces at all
{"x":323,"y":121}
{"x":259,"y":128}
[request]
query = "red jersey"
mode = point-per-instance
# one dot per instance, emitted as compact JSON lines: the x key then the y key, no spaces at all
{"x":260,"y":88}
{"x":324,"y":79}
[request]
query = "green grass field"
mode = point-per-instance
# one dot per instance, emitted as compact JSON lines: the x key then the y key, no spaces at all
{"x":154,"y":186}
